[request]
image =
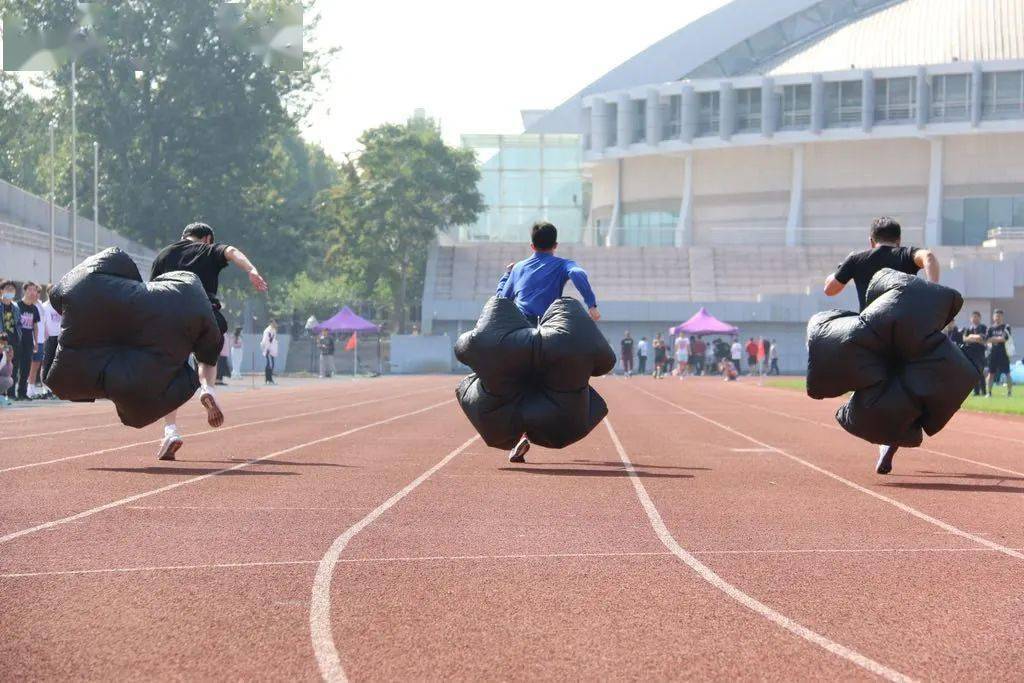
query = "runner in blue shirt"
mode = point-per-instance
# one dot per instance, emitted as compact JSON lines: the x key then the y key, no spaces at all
{"x":535,"y":283}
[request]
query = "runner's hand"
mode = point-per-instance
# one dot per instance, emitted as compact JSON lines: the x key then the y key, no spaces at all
{"x":595,"y":315}
{"x":257,"y":281}
{"x":509,"y":267}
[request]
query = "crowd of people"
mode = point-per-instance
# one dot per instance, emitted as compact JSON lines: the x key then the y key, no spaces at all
{"x":29,"y":327}
{"x":683,"y":355}
{"x":990,"y":348}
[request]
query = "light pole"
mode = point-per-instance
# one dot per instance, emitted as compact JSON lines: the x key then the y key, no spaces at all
{"x":53,"y":190}
{"x":96,"y":198}
{"x":74,"y":166}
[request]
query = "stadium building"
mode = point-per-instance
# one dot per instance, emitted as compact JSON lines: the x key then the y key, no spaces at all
{"x":734,"y":163}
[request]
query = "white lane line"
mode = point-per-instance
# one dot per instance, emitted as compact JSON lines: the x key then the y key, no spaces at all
{"x":750,"y":450}
{"x":857,"y":487}
{"x":253,"y":508}
{"x":320,"y":630}
{"x":706,"y":573}
{"x":231,"y":409}
{"x":837,"y":428}
{"x":220,"y":429}
{"x":465,"y":558}
{"x":192,"y":480}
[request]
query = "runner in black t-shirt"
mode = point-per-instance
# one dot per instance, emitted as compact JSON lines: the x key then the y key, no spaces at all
{"x":861,"y":266}
{"x":197,"y":253}
{"x":975,"y":337}
{"x":998,"y":360}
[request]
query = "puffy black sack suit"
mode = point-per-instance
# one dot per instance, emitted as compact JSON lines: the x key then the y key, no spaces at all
{"x":127,"y":340}
{"x":533,"y":380}
{"x":906,"y":375}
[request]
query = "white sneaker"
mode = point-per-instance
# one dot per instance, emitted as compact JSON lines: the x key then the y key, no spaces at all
{"x":170,"y":445}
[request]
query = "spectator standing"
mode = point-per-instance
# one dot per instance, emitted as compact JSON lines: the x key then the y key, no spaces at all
{"x":773,"y":357}
{"x":223,"y":363}
{"x":660,"y":356}
{"x":698,"y":349}
{"x":682,"y":346}
{"x":326,"y":345}
{"x":51,"y":328}
{"x":641,"y":355}
{"x":736,"y":354}
{"x":751,"y":349}
{"x":28,"y":317}
{"x":269,"y":347}
{"x":975,"y":337}
{"x":626,"y":354}
{"x":10,"y":329}
{"x":999,"y":335}
{"x":237,"y":349}
{"x":6,"y":371}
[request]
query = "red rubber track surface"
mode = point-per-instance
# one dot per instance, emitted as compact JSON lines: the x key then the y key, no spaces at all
{"x":115,"y":565}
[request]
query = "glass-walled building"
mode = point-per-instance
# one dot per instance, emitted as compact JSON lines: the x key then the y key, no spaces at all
{"x":525,"y":178}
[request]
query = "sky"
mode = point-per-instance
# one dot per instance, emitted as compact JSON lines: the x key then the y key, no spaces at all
{"x":474,"y":64}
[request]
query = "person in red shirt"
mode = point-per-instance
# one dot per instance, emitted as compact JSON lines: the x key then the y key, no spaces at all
{"x":751,"y":348}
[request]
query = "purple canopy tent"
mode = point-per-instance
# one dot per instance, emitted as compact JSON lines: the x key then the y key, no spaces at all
{"x":704,"y":323}
{"x":346,"y":320}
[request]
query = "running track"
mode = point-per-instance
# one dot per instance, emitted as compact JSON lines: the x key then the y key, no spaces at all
{"x":358,"y":530}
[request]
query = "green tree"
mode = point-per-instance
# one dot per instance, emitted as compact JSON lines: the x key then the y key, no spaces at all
{"x":390,"y":204}
{"x":191,"y":126}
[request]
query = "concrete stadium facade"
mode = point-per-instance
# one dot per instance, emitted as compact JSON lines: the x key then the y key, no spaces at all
{"x":735,"y":162}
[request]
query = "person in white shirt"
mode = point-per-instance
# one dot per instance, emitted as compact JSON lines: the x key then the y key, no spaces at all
{"x":268,"y":345}
{"x":736,"y":353}
{"x":50,"y":332}
{"x":641,"y":355}
{"x":237,"y":347}
{"x":682,"y":345}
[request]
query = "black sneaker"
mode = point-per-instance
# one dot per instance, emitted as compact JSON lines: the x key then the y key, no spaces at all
{"x":885,"y":456}
{"x":518,"y":454}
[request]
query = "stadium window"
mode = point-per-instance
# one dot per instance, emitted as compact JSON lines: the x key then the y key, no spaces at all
{"x":951,"y":97}
{"x":612,"y":124}
{"x":1002,"y":95}
{"x":844,"y":102}
{"x":709,"y":115}
{"x":672,"y":117}
{"x":748,"y":110}
{"x":796,"y":107}
{"x":639,"y":120}
{"x":648,"y":228}
{"x":895,"y":100}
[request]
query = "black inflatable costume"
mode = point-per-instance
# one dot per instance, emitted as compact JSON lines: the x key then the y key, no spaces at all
{"x":127,"y":340}
{"x":906,"y":375}
{"x":533,"y":380}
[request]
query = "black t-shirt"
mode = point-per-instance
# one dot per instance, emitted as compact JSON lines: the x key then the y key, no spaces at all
{"x":327,"y":346}
{"x":30,"y":316}
{"x":998,"y":350}
{"x":861,"y":266}
{"x":9,"y":321}
{"x":979,"y":330}
{"x":205,"y":260}
{"x":627,"y":348}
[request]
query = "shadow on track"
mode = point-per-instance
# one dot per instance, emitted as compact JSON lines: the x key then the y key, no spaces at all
{"x":233,"y":461}
{"x":618,"y":463}
{"x":578,"y":472}
{"x":966,"y":475}
{"x":979,"y":488}
{"x":190,"y":471}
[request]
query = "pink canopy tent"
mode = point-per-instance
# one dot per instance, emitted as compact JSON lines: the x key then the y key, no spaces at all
{"x":704,"y":323}
{"x":346,"y":320}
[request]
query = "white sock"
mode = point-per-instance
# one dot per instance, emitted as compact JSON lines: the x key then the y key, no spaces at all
{"x":171,"y":429}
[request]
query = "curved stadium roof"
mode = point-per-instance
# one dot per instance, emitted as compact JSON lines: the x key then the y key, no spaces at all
{"x":801,"y":36}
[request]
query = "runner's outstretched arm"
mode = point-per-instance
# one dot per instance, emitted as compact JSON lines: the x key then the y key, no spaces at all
{"x":927,"y":261}
{"x":582,"y":283}
{"x":236,"y":256}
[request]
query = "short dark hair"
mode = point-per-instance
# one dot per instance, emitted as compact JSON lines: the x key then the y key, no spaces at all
{"x":198,"y":230}
{"x":998,"y":311}
{"x":977,"y":313}
{"x":885,"y":229}
{"x":28,"y":284}
{"x":8,"y":283}
{"x":544,"y":235}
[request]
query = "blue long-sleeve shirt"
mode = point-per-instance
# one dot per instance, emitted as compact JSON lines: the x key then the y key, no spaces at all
{"x":535,"y":283}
